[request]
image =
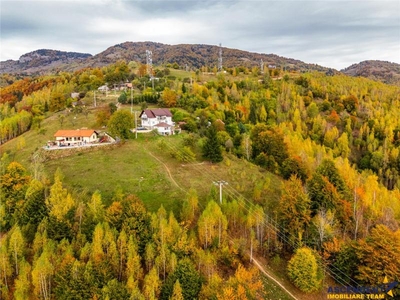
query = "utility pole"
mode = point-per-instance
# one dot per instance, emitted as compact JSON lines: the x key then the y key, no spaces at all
{"x":220,"y":183}
{"x":94,"y":98}
{"x":131,"y":99}
{"x":135,"y":126}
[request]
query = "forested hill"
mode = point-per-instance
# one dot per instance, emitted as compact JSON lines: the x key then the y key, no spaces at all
{"x":194,"y":56}
{"x":384,"y":71}
{"x":43,"y":60}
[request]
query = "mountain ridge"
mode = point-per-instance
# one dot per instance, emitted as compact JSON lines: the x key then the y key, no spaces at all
{"x":40,"y":60}
{"x":194,"y":56}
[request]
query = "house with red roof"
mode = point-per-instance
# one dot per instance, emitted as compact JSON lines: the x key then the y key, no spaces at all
{"x":158,"y":118}
{"x":77,"y":137}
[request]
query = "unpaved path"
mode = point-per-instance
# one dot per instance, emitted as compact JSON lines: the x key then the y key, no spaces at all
{"x":270,"y":276}
{"x":258,"y":265}
{"x":168,"y":171}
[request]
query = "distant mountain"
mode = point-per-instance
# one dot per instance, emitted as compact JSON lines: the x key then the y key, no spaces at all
{"x":43,"y":61}
{"x":194,"y":56}
{"x":377,"y":70}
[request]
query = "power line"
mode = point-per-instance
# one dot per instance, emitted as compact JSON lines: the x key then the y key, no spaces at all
{"x":220,"y":183}
{"x":270,"y":223}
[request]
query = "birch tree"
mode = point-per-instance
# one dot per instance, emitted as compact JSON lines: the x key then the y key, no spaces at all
{"x":42,"y":273}
{"x":16,"y":246}
{"x":5,"y":266}
{"x":212,"y":225}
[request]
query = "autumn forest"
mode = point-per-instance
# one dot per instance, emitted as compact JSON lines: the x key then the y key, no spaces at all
{"x":321,"y":153}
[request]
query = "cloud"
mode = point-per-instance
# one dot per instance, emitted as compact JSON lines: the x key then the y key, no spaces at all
{"x":330,"y":33}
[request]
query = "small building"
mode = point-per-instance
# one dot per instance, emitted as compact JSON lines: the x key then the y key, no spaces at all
{"x":103,"y":88}
{"x":77,"y":137}
{"x":164,"y":128}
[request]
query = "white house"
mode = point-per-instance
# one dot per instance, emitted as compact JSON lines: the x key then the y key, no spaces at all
{"x":76,"y":137}
{"x":158,"y":118}
{"x":164,"y":128}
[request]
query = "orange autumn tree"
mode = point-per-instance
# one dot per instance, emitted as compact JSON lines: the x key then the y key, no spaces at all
{"x":379,"y":256}
{"x":246,"y":284}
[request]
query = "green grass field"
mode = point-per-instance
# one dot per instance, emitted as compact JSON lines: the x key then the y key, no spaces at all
{"x":140,"y":167}
{"x":131,"y":167}
{"x":127,"y":166}
{"x":273,"y":291}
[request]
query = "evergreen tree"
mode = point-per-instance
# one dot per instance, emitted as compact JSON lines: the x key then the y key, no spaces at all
{"x":253,"y":113}
{"x":189,"y":280}
{"x":212,"y":148}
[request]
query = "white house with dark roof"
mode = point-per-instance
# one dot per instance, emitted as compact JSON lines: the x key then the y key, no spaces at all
{"x":164,"y":128}
{"x":158,"y":118}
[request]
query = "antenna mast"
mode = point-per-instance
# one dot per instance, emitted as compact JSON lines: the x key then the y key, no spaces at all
{"x":262,"y":66}
{"x":220,"y":59}
{"x":149,"y":63}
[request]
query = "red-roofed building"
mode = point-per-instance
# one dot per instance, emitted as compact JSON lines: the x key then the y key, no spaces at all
{"x":76,"y":137}
{"x":158,"y":118}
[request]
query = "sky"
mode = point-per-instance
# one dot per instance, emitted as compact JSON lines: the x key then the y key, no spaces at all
{"x":330,"y":33}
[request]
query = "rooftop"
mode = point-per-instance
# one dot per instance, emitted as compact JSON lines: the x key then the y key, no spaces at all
{"x":74,"y":133}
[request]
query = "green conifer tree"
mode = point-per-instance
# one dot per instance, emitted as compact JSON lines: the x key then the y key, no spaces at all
{"x":212,"y":148}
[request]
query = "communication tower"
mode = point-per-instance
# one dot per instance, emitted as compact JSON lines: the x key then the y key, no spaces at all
{"x":262,"y":66}
{"x":220,"y":59}
{"x":149,"y":63}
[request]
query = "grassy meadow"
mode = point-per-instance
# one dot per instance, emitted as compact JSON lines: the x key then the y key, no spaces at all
{"x":139,"y":166}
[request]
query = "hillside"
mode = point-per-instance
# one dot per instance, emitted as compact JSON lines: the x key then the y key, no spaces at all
{"x":42,"y":61}
{"x":312,"y":164}
{"x":194,"y":56}
{"x":384,"y":71}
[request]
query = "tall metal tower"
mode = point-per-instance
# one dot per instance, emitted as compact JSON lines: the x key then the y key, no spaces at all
{"x":262,"y":66}
{"x":149,"y":63}
{"x":220,"y":59}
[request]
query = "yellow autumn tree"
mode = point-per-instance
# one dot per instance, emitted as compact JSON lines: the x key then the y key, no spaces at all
{"x":303,"y":270}
{"x":60,"y":201}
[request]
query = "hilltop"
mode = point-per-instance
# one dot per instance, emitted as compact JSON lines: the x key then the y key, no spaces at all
{"x":384,"y":71}
{"x":42,"y":61}
{"x":193,"y":55}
